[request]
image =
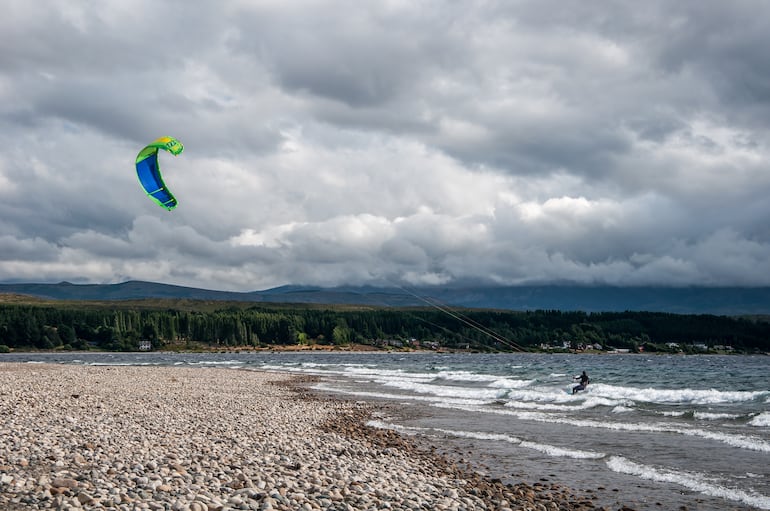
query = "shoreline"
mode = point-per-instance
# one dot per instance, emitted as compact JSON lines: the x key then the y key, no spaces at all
{"x":367,"y":349}
{"x":201,"y":439}
{"x":492,"y":491}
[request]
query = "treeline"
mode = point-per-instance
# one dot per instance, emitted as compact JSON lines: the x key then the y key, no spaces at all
{"x":116,"y":327}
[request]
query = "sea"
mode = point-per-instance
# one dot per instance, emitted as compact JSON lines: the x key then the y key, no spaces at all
{"x":679,"y":432}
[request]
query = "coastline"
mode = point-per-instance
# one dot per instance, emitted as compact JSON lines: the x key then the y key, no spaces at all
{"x":368,"y":349}
{"x":128,"y":437}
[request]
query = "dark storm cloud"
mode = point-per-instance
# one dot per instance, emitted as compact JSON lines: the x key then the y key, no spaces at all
{"x":422,"y":142}
{"x":362,"y":58}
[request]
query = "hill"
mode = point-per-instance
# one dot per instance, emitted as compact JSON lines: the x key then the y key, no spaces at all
{"x":684,"y":300}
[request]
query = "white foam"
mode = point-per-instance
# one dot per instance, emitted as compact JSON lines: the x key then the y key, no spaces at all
{"x":692,"y":481}
{"x":714,"y":416}
{"x":550,"y":450}
{"x":378,"y":424}
{"x":675,"y":396}
{"x":510,"y":383}
{"x":622,"y":409}
{"x":544,"y":395}
{"x":483,"y":393}
{"x":314,"y":369}
{"x":672,"y":413}
{"x":526,"y":405}
{"x":206,"y":363}
{"x":523,"y":390}
{"x":116,"y":364}
{"x":375,"y":372}
{"x":465,"y":376}
{"x":762,"y":420}
{"x":434,"y":400}
{"x":571,"y":404}
{"x":741,"y":441}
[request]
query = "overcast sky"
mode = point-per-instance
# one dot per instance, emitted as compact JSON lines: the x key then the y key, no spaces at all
{"x":408,"y":142}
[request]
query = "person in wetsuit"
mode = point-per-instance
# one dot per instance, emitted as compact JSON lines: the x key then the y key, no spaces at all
{"x":584,"y":381}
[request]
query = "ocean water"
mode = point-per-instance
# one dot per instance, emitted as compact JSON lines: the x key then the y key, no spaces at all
{"x":651,"y":432}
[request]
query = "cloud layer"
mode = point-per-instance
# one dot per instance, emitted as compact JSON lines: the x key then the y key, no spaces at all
{"x":339,"y":142}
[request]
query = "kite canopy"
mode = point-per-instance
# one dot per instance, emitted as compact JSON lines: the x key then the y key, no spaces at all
{"x":148,"y":170}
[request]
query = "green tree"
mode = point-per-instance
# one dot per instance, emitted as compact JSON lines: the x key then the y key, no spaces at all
{"x":149,"y":333}
{"x":341,"y":333}
{"x":67,"y":335}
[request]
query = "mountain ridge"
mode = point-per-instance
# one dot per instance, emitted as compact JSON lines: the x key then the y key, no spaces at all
{"x":679,"y":300}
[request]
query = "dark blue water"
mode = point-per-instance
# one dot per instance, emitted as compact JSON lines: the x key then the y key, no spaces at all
{"x":653,"y":432}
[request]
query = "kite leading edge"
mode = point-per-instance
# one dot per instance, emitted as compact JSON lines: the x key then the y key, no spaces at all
{"x":148,"y":171}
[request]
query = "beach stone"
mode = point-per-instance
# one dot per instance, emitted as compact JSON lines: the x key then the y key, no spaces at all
{"x":63,"y":482}
{"x":208,"y":439}
{"x":85,"y":498}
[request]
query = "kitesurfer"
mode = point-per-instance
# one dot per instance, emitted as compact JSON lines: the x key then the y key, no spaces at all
{"x":584,"y":381}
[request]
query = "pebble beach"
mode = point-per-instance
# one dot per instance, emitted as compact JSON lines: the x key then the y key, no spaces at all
{"x":208,"y":439}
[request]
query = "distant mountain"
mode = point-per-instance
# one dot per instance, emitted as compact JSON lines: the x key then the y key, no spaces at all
{"x":685,"y":300}
{"x":131,"y":290}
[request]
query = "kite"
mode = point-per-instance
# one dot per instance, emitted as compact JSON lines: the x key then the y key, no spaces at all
{"x":148,"y":171}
